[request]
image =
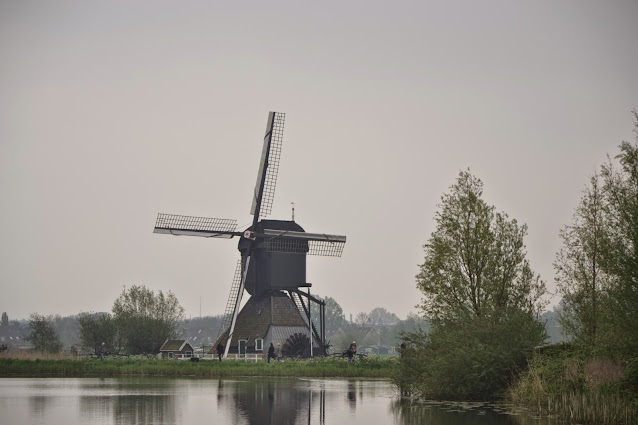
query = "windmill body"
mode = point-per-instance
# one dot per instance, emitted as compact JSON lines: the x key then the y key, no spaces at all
{"x":272,"y":268}
{"x":268,"y":270}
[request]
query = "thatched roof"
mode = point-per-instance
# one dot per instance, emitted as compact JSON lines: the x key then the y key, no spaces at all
{"x":261,"y":312}
{"x":174,"y":345}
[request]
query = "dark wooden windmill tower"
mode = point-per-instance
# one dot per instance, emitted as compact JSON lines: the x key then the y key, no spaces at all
{"x":272,"y":268}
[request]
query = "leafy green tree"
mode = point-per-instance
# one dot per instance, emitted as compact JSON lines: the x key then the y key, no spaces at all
{"x":145,"y":320}
{"x":5,"y":319}
{"x":95,"y":329}
{"x":335,"y":318}
{"x":43,"y":335}
{"x":580,"y":278}
{"x":475,"y":261}
{"x":479,"y":294}
{"x":620,"y":256}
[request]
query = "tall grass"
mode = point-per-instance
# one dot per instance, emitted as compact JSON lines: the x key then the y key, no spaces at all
{"x":372,"y":367}
{"x":578,"y":389}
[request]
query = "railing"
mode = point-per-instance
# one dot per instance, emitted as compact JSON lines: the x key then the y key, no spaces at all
{"x":246,"y":357}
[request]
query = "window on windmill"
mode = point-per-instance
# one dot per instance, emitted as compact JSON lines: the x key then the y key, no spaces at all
{"x":259,"y":345}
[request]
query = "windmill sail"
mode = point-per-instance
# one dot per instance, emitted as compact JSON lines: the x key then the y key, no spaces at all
{"x":292,"y":242}
{"x":183,"y":225}
{"x":268,"y":166}
{"x":232,"y":300}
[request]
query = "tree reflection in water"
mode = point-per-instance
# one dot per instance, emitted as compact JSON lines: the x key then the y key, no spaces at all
{"x":408,"y":412}
{"x":130,"y":401}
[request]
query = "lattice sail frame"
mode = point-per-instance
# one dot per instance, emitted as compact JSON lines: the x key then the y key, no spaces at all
{"x":270,"y":156}
{"x":184,"y":224}
{"x":305,"y":243}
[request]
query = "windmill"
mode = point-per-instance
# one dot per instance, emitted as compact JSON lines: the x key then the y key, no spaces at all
{"x":272,"y":267}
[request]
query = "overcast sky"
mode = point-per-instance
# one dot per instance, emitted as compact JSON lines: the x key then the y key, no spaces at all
{"x":113,"y":111}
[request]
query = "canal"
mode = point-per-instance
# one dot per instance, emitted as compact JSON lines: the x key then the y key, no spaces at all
{"x":254,"y":401}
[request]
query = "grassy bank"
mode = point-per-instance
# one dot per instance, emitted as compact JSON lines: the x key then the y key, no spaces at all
{"x":563,"y":382}
{"x":372,"y":367}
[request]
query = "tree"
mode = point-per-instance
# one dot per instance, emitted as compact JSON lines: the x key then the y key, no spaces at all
{"x":362,"y":319}
{"x":475,"y":259}
{"x":412,"y":323}
{"x":597,"y":267}
{"x":381,"y":316}
{"x":481,"y":297}
{"x":95,"y":329}
{"x":580,"y":279}
{"x":5,"y":319}
{"x":145,"y":320}
{"x":66,"y":328}
{"x":334,"y":315}
{"x":620,"y":256}
{"x":43,"y":335}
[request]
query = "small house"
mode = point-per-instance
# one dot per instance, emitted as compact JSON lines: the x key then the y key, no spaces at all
{"x":176,"y":349}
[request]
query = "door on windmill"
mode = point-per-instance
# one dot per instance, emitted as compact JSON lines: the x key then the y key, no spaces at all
{"x":242,"y":348}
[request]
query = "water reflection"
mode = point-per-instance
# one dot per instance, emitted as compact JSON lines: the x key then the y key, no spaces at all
{"x":408,"y":412}
{"x":267,"y":403}
{"x":252,"y":401}
{"x":352,"y":395}
{"x":130,"y":401}
{"x":38,"y":405}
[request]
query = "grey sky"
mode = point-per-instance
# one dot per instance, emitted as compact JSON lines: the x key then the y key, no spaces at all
{"x":111,"y":112}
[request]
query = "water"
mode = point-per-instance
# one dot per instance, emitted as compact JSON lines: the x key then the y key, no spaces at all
{"x":254,"y":401}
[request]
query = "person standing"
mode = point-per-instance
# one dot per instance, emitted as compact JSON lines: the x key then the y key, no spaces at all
{"x":220,"y":351}
{"x":353,"y":350}
{"x":278,"y":351}
{"x":102,"y":350}
{"x":271,"y":352}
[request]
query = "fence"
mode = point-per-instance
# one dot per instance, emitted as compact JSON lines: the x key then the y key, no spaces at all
{"x":245,"y":357}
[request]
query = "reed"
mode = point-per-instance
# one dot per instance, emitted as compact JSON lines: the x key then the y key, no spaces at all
{"x":592,"y":407}
{"x":112,"y":366}
{"x":581,"y":390}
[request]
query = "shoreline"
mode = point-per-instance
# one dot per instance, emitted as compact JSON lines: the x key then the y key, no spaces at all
{"x":318,"y":368}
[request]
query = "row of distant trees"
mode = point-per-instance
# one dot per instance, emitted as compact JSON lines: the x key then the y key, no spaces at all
{"x":139,"y":322}
{"x":483,"y":300}
{"x":335,"y":319}
{"x":388,"y":327}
